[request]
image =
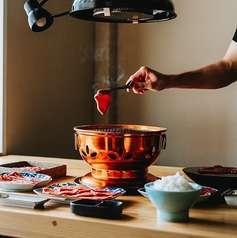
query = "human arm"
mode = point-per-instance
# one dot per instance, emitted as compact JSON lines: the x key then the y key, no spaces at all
{"x":213,"y":76}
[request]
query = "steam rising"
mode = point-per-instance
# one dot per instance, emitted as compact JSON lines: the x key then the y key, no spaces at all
{"x":105,"y":57}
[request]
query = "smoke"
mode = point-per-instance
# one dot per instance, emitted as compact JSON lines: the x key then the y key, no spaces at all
{"x":103,"y":54}
{"x":107,"y":73}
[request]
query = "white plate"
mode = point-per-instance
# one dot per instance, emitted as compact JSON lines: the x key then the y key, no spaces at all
{"x":14,"y":186}
{"x":202,"y":198}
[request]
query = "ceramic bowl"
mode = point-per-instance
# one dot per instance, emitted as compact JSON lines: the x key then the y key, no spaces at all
{"x":206,"y":192}
{"x":230,"y":196}
{"x":171,"y":205}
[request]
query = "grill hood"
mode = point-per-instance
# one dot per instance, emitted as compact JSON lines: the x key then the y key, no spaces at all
{"x":123,"y":11}
{"x":114,"y":11}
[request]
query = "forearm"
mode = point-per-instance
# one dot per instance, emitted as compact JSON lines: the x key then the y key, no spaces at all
{"x":213,"y":76}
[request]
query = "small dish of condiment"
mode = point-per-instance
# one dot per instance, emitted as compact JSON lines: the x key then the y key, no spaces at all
{"x":230,"y":196}
{"x":107,"y":209}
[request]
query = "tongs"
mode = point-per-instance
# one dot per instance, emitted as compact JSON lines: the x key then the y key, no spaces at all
{"x":109,"y":90}
{"x":128,"y":85}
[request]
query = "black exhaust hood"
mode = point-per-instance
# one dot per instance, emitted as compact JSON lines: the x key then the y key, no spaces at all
{"x":123,"y":11}
{"x":114,"y":11}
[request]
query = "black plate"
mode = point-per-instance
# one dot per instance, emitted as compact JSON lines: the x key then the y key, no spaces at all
{"x":218,"y":181}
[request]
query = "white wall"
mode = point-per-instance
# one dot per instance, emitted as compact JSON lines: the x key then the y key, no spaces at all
{"x":48,"y":82}
{"x":201,"y":125}
{"x":1,"y":72}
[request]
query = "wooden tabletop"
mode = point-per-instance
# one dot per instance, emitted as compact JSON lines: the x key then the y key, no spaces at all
{"x":212,"y":218}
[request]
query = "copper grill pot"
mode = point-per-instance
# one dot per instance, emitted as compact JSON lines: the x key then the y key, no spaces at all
{"x":119,"y":154}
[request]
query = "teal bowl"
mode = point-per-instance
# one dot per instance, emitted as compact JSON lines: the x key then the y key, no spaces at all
{"x":173,"y":206}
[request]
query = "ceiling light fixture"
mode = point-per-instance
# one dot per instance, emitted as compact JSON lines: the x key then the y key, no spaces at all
{"x":114,"y":11}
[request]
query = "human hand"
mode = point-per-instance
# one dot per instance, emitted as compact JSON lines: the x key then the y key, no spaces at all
{"x":147,"y":79}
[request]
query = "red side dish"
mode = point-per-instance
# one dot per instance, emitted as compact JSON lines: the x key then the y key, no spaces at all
{"x":206,"y":191}
{"x":103,"y":98}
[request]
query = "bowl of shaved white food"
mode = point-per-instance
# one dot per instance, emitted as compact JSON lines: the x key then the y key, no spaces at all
{"x":173,"y":196}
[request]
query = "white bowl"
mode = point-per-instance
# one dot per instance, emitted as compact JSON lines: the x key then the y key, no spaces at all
{"x":230,"y":196}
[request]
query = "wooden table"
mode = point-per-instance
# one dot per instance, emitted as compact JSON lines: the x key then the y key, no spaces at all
{"x":210,"y":219}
